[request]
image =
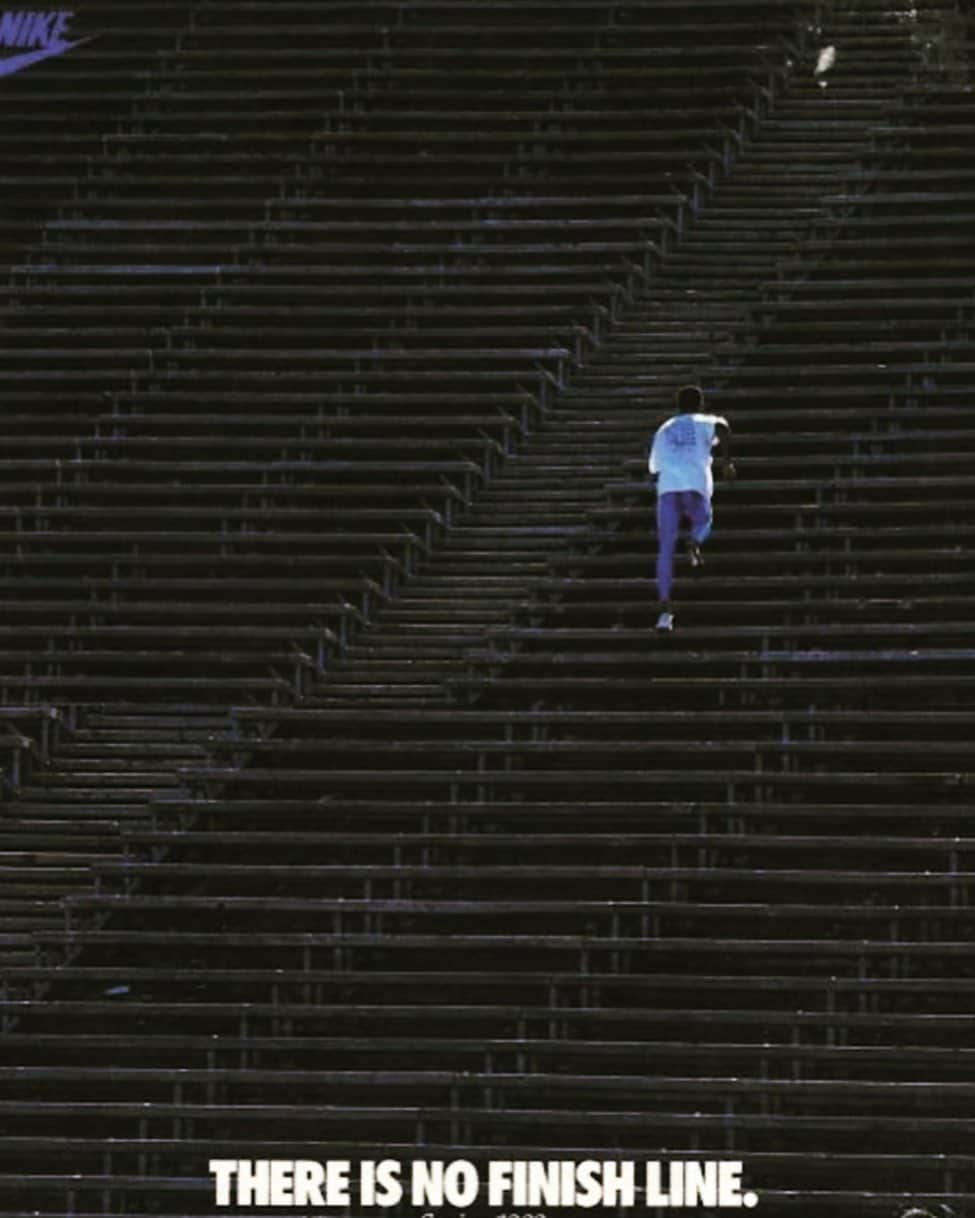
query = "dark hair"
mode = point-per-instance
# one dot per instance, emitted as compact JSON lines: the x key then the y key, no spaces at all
{"x":689,"y":398}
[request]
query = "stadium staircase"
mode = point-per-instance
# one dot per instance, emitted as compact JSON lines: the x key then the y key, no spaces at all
{"x":534,"y":882}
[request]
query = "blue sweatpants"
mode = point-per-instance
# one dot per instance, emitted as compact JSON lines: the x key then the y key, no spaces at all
{"x":672,"y":508}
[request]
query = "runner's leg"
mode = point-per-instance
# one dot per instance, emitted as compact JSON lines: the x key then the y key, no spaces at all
{"x":697,"y":509}
{"x":668,"y":521}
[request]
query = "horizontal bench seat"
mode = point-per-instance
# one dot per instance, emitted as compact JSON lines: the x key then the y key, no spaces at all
{"x":517,"y":728}
{"x":902,"y":687}
{"x":944,"y":851}
{"x":238,"y":289}
{"x":291,"y":428}
{"x":828,"y":528}
{"x":266,"y":274}
{"x":518,"y":112}
{"x":314,"y":213}
{"x":581,"y":748}
{"x":272,"y":877}
{"x":777,"y":918}
{"x":775,"y":636}
{"x":282,"y":114}
{"x":804,"y":1061}
{"x":159,"y":585}
{"x":227,"y":448}
{"x":210,"y":613}
{"x":574,"y":162}
{"x":848,"y":372}
{"x":803,"y":557}
{"x":571,"y":66}
{"x":40,"y":521}
{"x":127,"y":1009}
{"x":292,"y":951}
{"x":842,"y":416}
{"x":301,"y":248}
{"x":507,"y":1083}
{"x":207,"y":687}
{"x":611,"y":140}
{"x":814,"y":490}
{"x":701,"y":783}
{"x":323,"y":403}
{"x":399,"y":344}
{"x":809,"y":522}
{"x":501,"y":207}
{"x":869,"y":587}
{"x":220,"y":655}
{"x":543,"y":216}
{"x":93,"y":465}
{"x":45,"y":551}
{"x":241,"y":133}
{"x":486,"y":719}
{"x":299,"y":252}
{"x":865,"y":347}
{"x":231,"y":494}
{"x":320,"y":993}
{"x":943,"y":301}
{"x":406,"y":813}
{"x":210,"y":355}
{"x":845,"y":289}
{"x":895,"y":397}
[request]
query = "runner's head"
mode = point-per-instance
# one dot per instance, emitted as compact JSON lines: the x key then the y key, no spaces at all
{"x":689,"y":399}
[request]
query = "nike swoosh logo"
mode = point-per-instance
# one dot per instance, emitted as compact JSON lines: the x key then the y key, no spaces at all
{"x":17,"y":63}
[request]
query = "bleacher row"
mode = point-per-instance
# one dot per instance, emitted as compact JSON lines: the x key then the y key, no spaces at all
{"x":370,"y":814}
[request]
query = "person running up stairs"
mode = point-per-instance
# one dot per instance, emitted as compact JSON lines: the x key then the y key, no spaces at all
{"x":680,"y":463}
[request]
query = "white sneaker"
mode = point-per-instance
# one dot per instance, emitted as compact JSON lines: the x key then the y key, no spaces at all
{"x":665,"y":621}
{"x":694,"y":554}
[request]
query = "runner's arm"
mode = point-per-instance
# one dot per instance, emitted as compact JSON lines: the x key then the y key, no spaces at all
{"x":722,"y":449}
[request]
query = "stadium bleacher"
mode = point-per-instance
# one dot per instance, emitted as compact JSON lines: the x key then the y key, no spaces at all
{"x":353,"y":806}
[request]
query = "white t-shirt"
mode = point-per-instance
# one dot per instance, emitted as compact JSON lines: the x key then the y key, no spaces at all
{"x":681,"y":453}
